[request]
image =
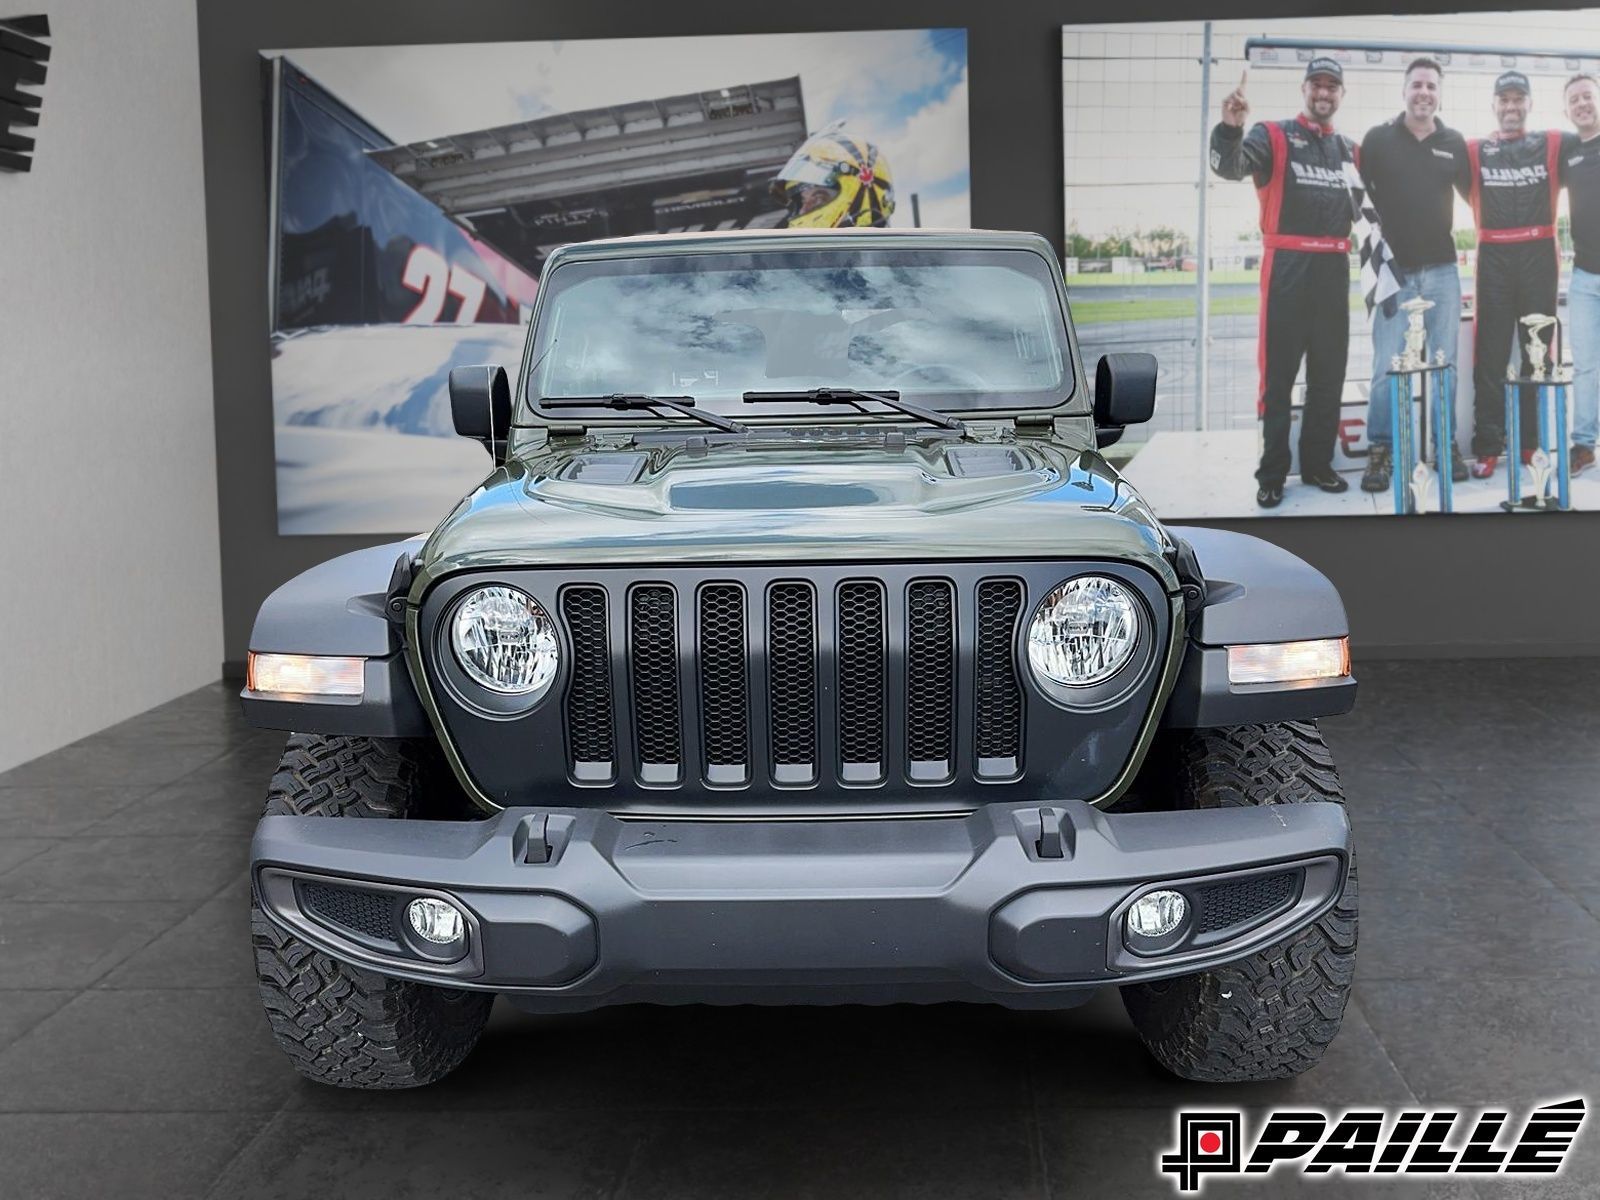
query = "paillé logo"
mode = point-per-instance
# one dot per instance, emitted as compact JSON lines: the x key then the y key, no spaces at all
{"x":1364,"y":1142}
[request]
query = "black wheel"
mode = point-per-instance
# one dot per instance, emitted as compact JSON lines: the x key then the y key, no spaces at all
{"x":342,"y":1025}
{"x":1271,"y":1015}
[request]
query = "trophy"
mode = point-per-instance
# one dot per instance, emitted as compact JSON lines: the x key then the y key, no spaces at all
{"x":1550,"y":380}
{"x":1415,"y":375}
{"x":1538,"y":352}
{"x":1422,"y":487}
{"x":1415,"y":357}
{"x":1540,"y":468}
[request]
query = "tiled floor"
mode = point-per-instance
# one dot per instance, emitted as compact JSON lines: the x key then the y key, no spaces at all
{"x":134,"y":1059}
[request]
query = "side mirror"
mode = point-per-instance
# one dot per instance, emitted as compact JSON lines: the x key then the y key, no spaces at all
{"x":1124,"y":393}
{"x":480,"y":405}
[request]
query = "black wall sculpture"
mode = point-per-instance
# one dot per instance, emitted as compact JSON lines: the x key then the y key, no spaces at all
{"x":23,"y":55}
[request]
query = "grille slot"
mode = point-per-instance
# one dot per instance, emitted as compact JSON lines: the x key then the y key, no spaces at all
{"x":724,"y":684}
{"x":792,"y":666}
{"x":371,"y":914}
{"x":1235,"y":902}
{"x":653,"y":657}
{"x":591,"y":740}
{"x":930,"y":680}
{"x":999,"y":698}
{"x":898,"y":678}
{"x":861,"y":681}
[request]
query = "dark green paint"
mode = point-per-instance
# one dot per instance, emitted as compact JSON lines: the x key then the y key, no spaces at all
{"x":878,"y":488}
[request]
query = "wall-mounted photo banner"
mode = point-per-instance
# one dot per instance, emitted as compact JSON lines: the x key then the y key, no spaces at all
{"x":417,"y":191}
{"x":1366,"y":251}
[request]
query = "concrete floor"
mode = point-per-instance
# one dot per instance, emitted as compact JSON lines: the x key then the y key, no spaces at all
{"x":135,"y":1060}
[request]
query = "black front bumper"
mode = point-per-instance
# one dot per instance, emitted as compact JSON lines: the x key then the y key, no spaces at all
{"x":993,"y":906}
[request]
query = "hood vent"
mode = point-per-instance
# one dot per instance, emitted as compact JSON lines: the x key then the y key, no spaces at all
{"x":604,"y":469}
{"x":979,"y":462}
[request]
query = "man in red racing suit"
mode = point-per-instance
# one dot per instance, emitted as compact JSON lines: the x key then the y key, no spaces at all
{"x":1515,"y":180}
{"x":1298,"y":166}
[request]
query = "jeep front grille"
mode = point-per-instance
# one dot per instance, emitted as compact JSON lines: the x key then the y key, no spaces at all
{"x":861,"y":675}
{"x":724,"y":703}
{"x":792,"y":664}
{"x":930,"y":680}
{"x":748,"y":688}
{"x":805,"y":673}
{"x":999,"y":738}
{"x":589,"y":729}
{"x":653,"y":673}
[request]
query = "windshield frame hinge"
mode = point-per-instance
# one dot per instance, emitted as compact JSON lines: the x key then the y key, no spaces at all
{"x":1035,"y":424}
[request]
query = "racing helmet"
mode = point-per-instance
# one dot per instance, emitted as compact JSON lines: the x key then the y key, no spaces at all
{"x":835,"y":179}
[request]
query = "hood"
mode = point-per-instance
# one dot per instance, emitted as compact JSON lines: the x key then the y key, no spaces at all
{"x":798,"y":496}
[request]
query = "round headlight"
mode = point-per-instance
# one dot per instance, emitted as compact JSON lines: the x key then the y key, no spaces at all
{"x":504,"y":641}
{"x":1084,"y":632}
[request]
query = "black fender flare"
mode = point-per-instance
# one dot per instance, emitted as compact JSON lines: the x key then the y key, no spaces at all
{"x":1255,"y":592}
{"x":339,"y":608}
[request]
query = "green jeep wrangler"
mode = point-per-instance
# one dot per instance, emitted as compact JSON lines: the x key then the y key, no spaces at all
{"x":801,"y":647}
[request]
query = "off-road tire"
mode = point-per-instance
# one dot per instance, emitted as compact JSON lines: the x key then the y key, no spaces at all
{"x":1271,"y":1015}
{"x":339,"y":1024}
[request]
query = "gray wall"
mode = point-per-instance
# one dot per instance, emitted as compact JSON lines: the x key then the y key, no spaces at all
{"x":1469,"y":586}
{"x":111,"y":601}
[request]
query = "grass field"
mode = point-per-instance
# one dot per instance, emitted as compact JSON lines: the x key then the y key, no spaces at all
{"x":1185,"y":278}
{"x":1099,"y":312}
{"x":1158,"y":278}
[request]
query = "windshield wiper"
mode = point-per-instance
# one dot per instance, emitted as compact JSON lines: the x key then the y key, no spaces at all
{"x":623,"y":401}
{"x":850,"y":396}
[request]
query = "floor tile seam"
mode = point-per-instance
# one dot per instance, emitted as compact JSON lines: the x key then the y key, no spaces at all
{"x":123,"y":901}
{"x":28,"y":1032}
{"x":1489,"y":892}
{"x":1196,"y":1103}
{"x":228,"y":839}
{"x":223,"y":753}
{"x":1468,"y":974}
{"x":52,"y":843}
{"x":79,"y":993}
{"x":620,"y":1187}
{"x":1383,"y":1049}
{"x":115,"y":902}
{"x":1493,"y":887}
{"x":221,"y":839}
{"x":135,"y":835}
{"x":222,"y":1171}
{"x":100,"y":986}
{"x":1030,"y":1082}
{"x":1571,"y":895}
{"x":137,"y":788}
{"x":1041,"y":1155}
{"x":1538,"y":704}
{"x":134,"y":1112}
{"x":898,"y":1108}
{"x":1523,"y":854}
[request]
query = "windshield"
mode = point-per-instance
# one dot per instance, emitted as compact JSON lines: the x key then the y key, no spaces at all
{"x":954,"y":329}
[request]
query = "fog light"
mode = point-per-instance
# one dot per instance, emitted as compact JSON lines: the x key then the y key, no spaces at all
{"x":436,"y":921}
{"x":1157,"y":914}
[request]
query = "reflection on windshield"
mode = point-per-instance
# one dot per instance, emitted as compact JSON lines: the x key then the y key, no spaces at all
{"x":977,"y":330}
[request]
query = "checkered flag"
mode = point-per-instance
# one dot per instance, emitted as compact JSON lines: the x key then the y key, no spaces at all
{"x":1378,"y":278}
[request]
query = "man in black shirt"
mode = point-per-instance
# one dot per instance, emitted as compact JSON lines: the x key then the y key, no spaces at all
{"x":1580,"y":163}
{"x":1297,"y":166}
{"x":1515,"y":181}
{"x":1412,"y":167}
